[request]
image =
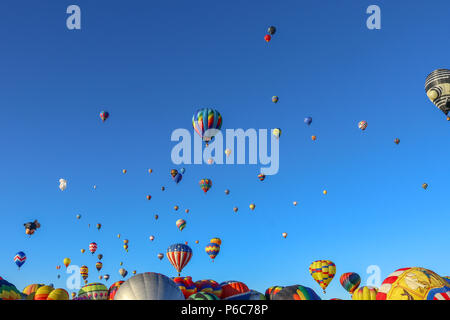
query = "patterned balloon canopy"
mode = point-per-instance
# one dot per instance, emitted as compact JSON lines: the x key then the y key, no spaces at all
{"x":365,"y":293}
{"x":8,"y":291}
{"x":20,"y":258}
{"x":92,"y":247}
{"x":296,"y":292}
{"x":205,"y":184}
{"x":113,"y":289}
{"x":104,"y":115}
{"x":99,"y":266}
{"x":179,"y":255}
{"x":93,"y":291}
{"x":186,"y":285}
{"x":84,"y":272}
{"x":323,"y":272}
{"x":212,"y":249}
{"x":350,"y":281}
{"x":206,"y":123}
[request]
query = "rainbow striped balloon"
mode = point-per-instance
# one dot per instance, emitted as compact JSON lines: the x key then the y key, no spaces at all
{"x":206,"y":123}
{"x":350,"y":281}
{"x":181,"y":224}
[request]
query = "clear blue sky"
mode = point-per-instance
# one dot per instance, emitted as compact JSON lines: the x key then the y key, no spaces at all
{"x":151,"y":64}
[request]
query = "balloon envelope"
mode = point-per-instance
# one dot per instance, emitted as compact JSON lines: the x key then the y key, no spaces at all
{"x":149,"y":286}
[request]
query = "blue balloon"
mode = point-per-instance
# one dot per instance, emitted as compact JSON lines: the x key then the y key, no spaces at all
{"x":308,"y":120}
{"x":20,"y":258}
{"x":183,"y":170}
{"x":178,"y":178}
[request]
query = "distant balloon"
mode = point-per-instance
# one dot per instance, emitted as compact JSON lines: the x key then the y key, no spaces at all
{"x":275,"y":99}
{"x":181,"y":224}
{"x":66,"y":262}
{"x":99,"y":266}
{"x":156,"y":217}
{"x":99,"y":256}
{"x":134,"y":271}
{"x":78,"y":216}
{"x":362,"y":125}
{"x":30,"y":227}
{"x":235,"y":209}
{"x":216,"y":240}
{"x":124,"y":171}
{"x":160,"y":256}
{"x":425,"y":186}
{"x":295,"y":203}
{"x":227,"y":192}
{"x":252,"y":206}
{"x":84,"y":272}
{"x":261,"y":177}
{"x":276,"y":132}
{"x":82,"y":250}
{"x":162,"y":188}
{"x":397,"y":140}
{"x":20,"y":259}
{"x":267,"y":37}
{"x":284,"y":234}
{"x":314,"y":138}
{"x":150,"y":170}
{"x":187,"y":210}
{"x":308,"y":120}
{"x":152,"y":238}
{"x":212,"y":249}
{"x":176,"y":208}
{"x":325,"y":192}
{"x":271,"y":30}
{"x":227,"y":152}
{"x":62,"y":184}
{"x":210,"y":161}
{"x":104,"y":115}
{"x":178,"y":178}
{"x":92,"y":247}
{"x":99,"y":226}
{"x":123,"y":272}
{"x":149,"y":197}
{"x":106,"y":277}
{"x":205,"y":184}
{"x":182,"y":170}
{"x":350,"y":281}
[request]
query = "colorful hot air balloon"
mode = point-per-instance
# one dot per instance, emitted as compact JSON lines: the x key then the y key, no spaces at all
{"x":156,"y":217}
{"x":350,"y":281}
{"x":212,"y":249}
{"x":113,"y":289}
{"x":149,"y":197}
{"x":308,"y":120}
{"x":58,"y":294}
{"x":252,"y":206}
{"x":176,"y":208}
{"x":78,"y":216}
{"x":30,"y":227}
{"x":106,"y":277}
{"x":99,"y":256}
{"x":84,"y":272}
{"x":66,"y":262}
{"x":152,"y":238}
{"x":235,"y":209}
{"x":62,"y":184}
{"x":210,"y":286}
{"x":125,"y":246}
{"x":99,"y":266}
{"x":99,"y":226}
{"x":275,"y":99}
{"x":123,"y":272}
{"x":271,"y":30}
{"x":425,"y":186}
{"x":296,"y":292}
{"x":276,"y":132}
{"x":267,"y":38}
{"x":232,"y":288}
{"x":313,"y":138}
{"x":181,"y":224}
{"x":187,"y":210}
{"x":227,"y":192}
{"x":207,"y":122}
{"x":228,"y":152}
{"x":20,"y":258}
{"x":362,"y":125}
{"x":92,"y":247}
{"x":203,"y":296}
{"x":437,"y":88}
{"x":295,"y":203}
{"x":104,"y":115}
{"x":323,"y":272}
{"x":284,"y":234}
{"x":178,"y":178}
{"x":93,"y":291}
{"x":205,"y":184}
{"x":261,"y":177}
{"x":8,"y":291}
{"x":29,"y":290}
{"x":150,"y":170}
{"x":160,"y":256}
{"x":43,"y":292}
{"x":365,"y":293}
{"x":124,"y":171}
{"x":216,"y":240}
{"x":414,"y":284}
{"x":397,"y":140}
{"x":272,"y":291}
{"x":186,"y":285}
{"x":82,"y":250}
{"x":173,"y":173}
{"x":179,"y":255}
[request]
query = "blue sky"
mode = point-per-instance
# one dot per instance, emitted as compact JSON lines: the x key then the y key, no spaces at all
{"x":152,"y":65}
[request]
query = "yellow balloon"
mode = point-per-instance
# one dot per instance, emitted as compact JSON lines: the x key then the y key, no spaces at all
{"x":365,"y":293}
{"x":325,"y":192}
{"x":216,"y":241}
{"x":58,"y":294}
{"x":252,"y":206}
{"x":66,"y":262}
{"x":323,"y":272}
{"x":82,"y":250}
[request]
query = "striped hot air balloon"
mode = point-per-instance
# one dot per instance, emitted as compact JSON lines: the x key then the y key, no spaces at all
{"x":350,"y":281}
{"x":181,"y":224}
{"x":104,"y":115}
{"x":99,"y":266}
{"x":20,"y":258}
{"x":437,"y":88}
{"x":323,"y":272}
{"x":205,"y":184}
{"x":212,"y":249}
{"x":207,"y":122}
{"x":179,"y":255}
{"x":92,"y":247}
{"x":84,"y":272}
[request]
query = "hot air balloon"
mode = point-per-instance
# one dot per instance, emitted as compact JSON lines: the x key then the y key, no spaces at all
{"x":196,"y":241}
{"x":308,"y":120}
{"x":207,"y":122}
{"x":179,"y":255}
{"x":186,"y":285}
{"x":228,"y":152}
{"x":123,"y":272}
{"x":160,"y":256}
{"x":295,"y":203}
{"x":205,"y":184}
{"x":29,"y":290}
{"x":176,"y":208}
{"x":350,"y":281}
{"x":414,"y":284}
{"x":227,"y":192}
{"x":156,"y":217}
{"x":284,"y":234}
{"x":232,"y":288}
{"x":177,"y":178}
{"x":235,"y":209}
{"x":181,"y":224}
{"x":100,"y":277}
{"x":187,"y":210}
{"x":92,"y":247}
{"x":66,"y":262}
{"x":437,"y":88}
{"x":323,"y":272}
{"x":125,"y":246}
{"x":276,"y":132}
{"x":149,"y":286}
{"x":150,"y":170}
{"x":149,"y":197}
{"x":84,"y":272}
{"x":134,"y":271}
{"x":93,"y":291}
{"x":275,"y":99}
{"x":212,"y":249}
{"x":249,"y":295}
{"x":99,"y":256}
{"x":261,"y":177}
{"x":365,"y":293}
{"x":99,"y":226}
{"x":203,"y":296}
{"x":106,"y":277}
{"x":43,"y":292}
{"x":58,"y":267}
{"x":362,"y":125}
{"x":252,"y":206}
{"x":397,"y":140}
{"x":118,"y":236}
{"x":62,"y":184}
{"x":104,"y":115}
{"x":272,"y":291}
{"x":267,"y":37}
{"x":82,"y":250}
{"x":296,"y":292}
{"x":162,"y":188}
{"x":313,"y":138}
{"x":216,"y":240}
{"x":425,"y":186}
{"x":8,"y":291}
{"x":124,"y":171}
{"x":182,"y":170}
{"x":209,"y":286}
{"x":173,"y":172}
{"x":125,"y":241}
{"x":20,"y":258}
{"x":152,"y":238}
{"x":99,"y":266}
{"x":78,"y":216}
{"x":58,"y":294}
{"x":30,"y":227}
{"x":113,"y":289}
{"x":271,"y":30}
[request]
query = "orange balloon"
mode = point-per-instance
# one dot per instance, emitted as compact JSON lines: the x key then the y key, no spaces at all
{"x":314,"y":138}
